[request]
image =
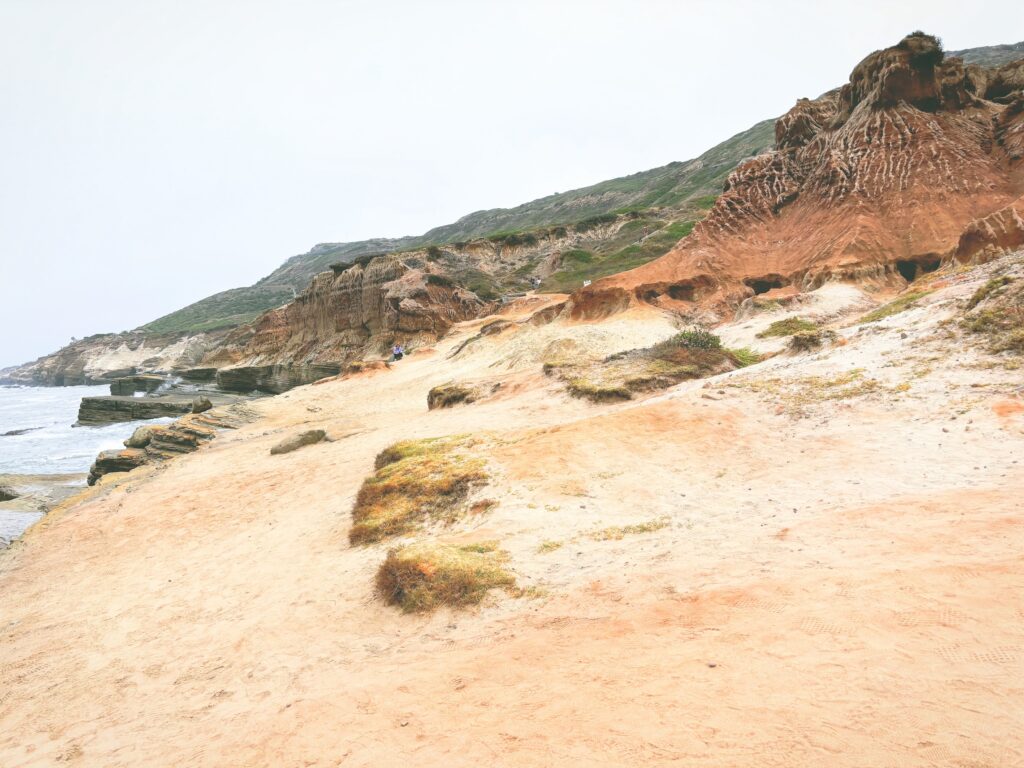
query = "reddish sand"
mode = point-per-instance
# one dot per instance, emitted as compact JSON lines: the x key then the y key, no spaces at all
{"x":837,"y":581}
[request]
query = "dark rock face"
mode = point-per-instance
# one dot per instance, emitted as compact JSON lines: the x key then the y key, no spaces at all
{"x":199,"y":374}
{"x":298,"y":441}
{"x":129,"y":385}
{"x":272,"y":378}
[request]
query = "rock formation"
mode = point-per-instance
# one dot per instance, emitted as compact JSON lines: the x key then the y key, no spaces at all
{"x":156,"y":443}
{"x":102,"y":358}
{"x":346,"y":313}
{"x":873,"y":181}
{"x":109,"y":409}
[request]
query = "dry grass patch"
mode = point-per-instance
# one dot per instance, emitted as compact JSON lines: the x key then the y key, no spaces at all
{"x":617,"y":532}
{"x":1000,"y":319}
{"x":901,"y":304}
{"x":416,"y":482}
{"x":787,"y":327}
{"x":795,"y":396}
{"x":425,"y":576}
{"x":447,"y":395}
{"x":549,"y":546}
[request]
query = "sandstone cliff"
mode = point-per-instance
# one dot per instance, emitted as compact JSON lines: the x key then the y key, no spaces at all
{"x":103,"y":357}
{"x":345,"y":313}
{"x":873,"y":181}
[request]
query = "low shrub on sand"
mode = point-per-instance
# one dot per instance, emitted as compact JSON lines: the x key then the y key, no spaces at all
{"x":787,"y":327}
{"x":1000,"y":319}
{"x":807,"y":341}
{"x":447,"y":395}
{"x":424,"y":576}
{"x":688,"y":355}
{"x":415,"y":482}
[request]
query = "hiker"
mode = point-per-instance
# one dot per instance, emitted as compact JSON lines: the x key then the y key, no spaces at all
{"x":397,"y":353}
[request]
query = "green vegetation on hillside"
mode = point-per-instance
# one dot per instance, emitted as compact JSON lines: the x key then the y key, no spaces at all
{"x":579,"y":265}
{"x":690,"y":186}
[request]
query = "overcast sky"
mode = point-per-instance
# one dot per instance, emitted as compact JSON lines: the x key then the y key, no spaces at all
{"x":154,"y":152}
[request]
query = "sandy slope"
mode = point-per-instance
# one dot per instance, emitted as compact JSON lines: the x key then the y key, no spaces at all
{"x":839,"y":582}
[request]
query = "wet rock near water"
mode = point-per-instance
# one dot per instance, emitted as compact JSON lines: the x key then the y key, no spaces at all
{"x":17,"y":432}
{"x":200,"y":404}
{"x":129,"y":385}
{"x":199,"y":374}
{"x":298,"y":441}
{"x":123,"y":460}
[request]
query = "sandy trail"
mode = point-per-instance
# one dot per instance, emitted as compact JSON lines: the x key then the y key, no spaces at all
{"x":839,"y":588}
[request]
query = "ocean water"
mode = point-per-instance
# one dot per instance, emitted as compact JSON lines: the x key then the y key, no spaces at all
{"x":53,"y":446}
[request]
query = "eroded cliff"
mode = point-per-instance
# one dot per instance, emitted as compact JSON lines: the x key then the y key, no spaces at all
{"x":876,"y":180}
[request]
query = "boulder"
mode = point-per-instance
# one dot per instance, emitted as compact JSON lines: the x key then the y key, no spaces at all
{"x":201,"y":404}
{"x":298,"y":441}
{"x":142,"y":436}
{"x":116,"y":461}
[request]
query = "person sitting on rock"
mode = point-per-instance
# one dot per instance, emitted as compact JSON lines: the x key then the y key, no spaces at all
{"x":397,"y":353}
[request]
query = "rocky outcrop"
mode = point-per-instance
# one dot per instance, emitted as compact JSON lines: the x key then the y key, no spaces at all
{"x":992,"y":235}
{"x":162,"y":442}
{"x":293,"y":443}
{"x":874,"y":181}
{"x":116,"y":460}
{"x":345,"y":314}
{"x":113,"y":408}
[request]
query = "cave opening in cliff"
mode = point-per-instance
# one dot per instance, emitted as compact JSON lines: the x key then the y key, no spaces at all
{"x":764,"y":284}
{"x":930,"y":265}
{"x":907,"y":269}
{"x":6,"y":494}
{"x":681,"y":292}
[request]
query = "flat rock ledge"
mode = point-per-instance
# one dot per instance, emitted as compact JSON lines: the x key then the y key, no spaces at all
{"x":110,"y":409}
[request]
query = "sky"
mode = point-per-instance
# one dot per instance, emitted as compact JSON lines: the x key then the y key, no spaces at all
{"x":153,"y":152}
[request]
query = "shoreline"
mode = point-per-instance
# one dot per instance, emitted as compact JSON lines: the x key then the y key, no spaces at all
{"x":26,"y":499}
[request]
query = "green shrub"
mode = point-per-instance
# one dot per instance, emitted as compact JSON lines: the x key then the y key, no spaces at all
{"x":696,"y":338}
{"x":787,"y":327}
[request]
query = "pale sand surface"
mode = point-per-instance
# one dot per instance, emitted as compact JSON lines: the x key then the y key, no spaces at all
{"x":839,"y":583}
